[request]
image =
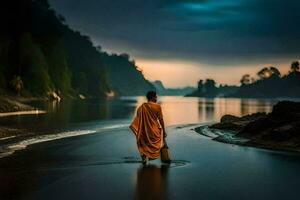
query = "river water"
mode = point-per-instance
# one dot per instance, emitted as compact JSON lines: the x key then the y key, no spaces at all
{"x":176,"y":110}
{"x":103,"y":163}
{"x":80,"y":117}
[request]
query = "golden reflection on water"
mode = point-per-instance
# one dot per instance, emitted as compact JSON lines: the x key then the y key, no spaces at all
{"x":186,"y":110}
{"x":151,"y":182}
{"x":29,"y":112}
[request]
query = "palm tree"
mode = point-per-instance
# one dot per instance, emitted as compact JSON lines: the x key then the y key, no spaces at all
{"x":295,"y":66}
{"x":275,"y":71}
{"x":245,"y":80}
{"x":17,"y":84}
{"x":263,"y":73}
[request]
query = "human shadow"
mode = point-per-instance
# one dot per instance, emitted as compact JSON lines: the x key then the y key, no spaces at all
{"x":151,"y":182}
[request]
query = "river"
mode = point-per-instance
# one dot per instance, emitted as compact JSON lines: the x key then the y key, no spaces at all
{"x":102,"y":161}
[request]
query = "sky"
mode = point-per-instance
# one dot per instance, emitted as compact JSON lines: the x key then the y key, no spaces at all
{"x":182,"y":41}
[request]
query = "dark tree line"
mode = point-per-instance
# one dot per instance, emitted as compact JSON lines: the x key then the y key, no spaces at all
{"x":270,"y":83}
{"x":127,"y":70}
{"x":208,"y":88}
{"x":40,"y":54}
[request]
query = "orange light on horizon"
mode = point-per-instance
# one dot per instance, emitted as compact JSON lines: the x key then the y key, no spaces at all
{"x":180,"y":73}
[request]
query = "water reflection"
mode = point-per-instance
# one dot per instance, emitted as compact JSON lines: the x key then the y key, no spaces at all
{"x":176,"y":110}
{"x":214,"y":108}
{"x":64,"y":114}
{"x":152,"y":182}
{"x":206,"y":108}
{"x":182,"y":110}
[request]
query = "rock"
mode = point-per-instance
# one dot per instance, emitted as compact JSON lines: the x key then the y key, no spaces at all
{"x":232,"y":126}
{"x":234,"y":123}
{"x":81,"y":96}
{"x":255,"y":127}
{"x":284,"y":128}
{"x":111,"y":94}
{"x":229,"y":118}
{"x":278,"y":130}
{"x":286,"y":107}
{"x":54,"y":96}
{"x":254,"y":116}
{"x":286,"y":111}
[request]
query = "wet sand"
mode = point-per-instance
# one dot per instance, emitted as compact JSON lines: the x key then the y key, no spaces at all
{"x":106,"y":165}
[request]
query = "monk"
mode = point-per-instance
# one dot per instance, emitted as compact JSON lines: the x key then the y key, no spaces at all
{"x":148,"y":127}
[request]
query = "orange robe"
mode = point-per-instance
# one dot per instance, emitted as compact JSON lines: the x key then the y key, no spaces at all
{"x":147,"y":129}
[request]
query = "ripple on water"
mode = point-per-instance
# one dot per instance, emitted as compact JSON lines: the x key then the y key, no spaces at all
{"x":135,"y":160}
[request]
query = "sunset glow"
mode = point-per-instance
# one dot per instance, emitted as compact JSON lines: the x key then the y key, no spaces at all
{"x":178,"y":73}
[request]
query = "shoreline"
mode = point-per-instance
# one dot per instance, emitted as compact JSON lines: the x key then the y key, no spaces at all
{"x":12,"y":144}
{"x":22,"y":138}
{"x":239,"y":141}
{"x":277,"y":130}
{"x":27,"y":112}
{"x":20,"y":143}
{"x":15,"y":105}
{"x":57,"y":170}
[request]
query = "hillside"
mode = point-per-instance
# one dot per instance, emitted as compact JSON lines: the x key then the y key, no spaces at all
{"x":123,"y":75}
{"x":41,"y":55}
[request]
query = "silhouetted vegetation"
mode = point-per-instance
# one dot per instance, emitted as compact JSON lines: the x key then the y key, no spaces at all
{"x":271,"y":83}
{"x":208,"y":88}
{"x":268,"y":84}
{"x":124,"y":76}
{"x":40,"y":54}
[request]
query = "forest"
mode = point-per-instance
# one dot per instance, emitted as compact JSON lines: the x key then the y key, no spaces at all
{"x":41,"y":55}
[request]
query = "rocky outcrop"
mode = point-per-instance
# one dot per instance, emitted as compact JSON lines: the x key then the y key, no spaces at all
{"x":234,"y":123}
{"x":279,"y":129}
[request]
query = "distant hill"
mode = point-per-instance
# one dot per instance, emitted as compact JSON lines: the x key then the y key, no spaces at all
{"x":40,"y":54}
{"x":159,"y":86}
{"x":161,"y":90}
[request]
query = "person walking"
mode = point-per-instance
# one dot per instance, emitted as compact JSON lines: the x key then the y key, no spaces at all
{"x":149,"y":128}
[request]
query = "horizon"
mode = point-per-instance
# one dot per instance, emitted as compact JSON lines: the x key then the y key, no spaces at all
{"x":180,"y":42}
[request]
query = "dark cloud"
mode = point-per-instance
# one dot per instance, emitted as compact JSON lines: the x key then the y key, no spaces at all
{"x":209,"y":31}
